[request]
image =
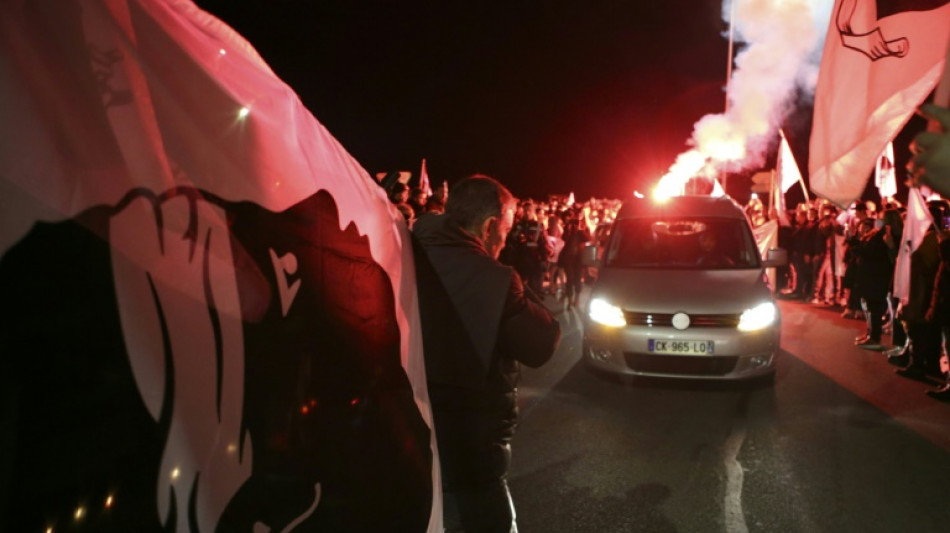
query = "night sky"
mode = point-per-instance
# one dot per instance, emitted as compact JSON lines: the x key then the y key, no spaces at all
{"x":595,"y":97}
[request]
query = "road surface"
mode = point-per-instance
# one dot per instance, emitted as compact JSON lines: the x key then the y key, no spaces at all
{"x":838,"y":443}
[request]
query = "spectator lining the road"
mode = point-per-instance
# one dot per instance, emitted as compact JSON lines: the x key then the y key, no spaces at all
{"x":930,"y":165}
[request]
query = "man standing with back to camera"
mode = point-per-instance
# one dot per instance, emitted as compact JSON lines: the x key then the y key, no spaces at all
{"x":478,"y":326}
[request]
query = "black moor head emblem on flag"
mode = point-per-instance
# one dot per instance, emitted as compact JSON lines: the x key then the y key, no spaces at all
{"x":859,"y":28}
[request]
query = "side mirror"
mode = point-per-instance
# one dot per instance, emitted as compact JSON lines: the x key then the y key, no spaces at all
{"x":775,"y":258}
{"x":589,"y":256}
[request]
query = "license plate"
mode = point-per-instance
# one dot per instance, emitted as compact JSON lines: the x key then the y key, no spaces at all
{"x":680,"y":347}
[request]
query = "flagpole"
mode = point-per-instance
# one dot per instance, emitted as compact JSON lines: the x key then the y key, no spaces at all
{"x":772,"y":192}
{"x":732,"y":16}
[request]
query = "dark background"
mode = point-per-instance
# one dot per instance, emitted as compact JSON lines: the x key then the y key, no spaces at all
{"x":594,"y":97}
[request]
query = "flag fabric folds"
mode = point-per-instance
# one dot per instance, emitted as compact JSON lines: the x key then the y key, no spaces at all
{"x":243,"y":264}
{"x":885,"y":179}
{"x":874,"y":73}
{"x":916,"y":223}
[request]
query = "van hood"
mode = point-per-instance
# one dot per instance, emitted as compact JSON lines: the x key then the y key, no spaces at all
{"x":690,"y":291}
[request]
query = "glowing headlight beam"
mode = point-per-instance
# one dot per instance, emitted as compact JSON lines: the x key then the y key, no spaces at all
{"x":605,"y":313}
{"x":759,"y":317}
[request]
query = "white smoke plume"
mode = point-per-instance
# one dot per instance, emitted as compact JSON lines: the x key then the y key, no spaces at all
{"x":779,"y":43}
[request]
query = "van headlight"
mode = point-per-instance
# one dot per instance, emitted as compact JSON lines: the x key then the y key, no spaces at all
{"x":602,"y":312}
{"x":759,"y":317}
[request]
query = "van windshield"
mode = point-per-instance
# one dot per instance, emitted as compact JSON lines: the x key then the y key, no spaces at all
{"x":695,"y":243}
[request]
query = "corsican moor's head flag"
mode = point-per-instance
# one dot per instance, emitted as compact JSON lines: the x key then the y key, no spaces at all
{"x":876,"y":68}
{"x":209,"y":319}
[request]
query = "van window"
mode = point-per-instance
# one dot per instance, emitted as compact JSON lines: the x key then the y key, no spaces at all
{"x":698,"y":243}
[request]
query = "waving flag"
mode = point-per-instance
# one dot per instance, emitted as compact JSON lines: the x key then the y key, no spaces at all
{"x":788,"y":168}
{"x":717,"y":189}
{"x":876,"y":68}
{"x":788,"y":176}
{"x":916,"y":224}
{"x":208,"y":304}
{"x":885,"y":178}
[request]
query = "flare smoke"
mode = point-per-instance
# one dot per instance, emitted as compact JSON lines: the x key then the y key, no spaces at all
{"x":779,"y":43}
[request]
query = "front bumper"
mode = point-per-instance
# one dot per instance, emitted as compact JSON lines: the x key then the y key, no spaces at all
{"x":737,"y":354}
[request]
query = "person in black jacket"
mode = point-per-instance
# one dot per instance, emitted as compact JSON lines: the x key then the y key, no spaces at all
{"x":872,"y":272}
{"x":802,"y":244}
{"x":479,"y":325}
{"x":939,"y":311}
{"x":576,"y":236}
{"x":530,"y":249}
{"x":852,"y":237}
{"x":931,"y":166}
{"x":923,"y":359}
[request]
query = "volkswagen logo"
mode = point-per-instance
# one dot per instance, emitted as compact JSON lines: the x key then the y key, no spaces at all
{"x":680,"y":321}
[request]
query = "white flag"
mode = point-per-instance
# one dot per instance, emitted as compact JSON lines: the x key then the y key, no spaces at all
{"x":788,"y":171}
{"x":884,"y":175}
{"x":717,"y":190}
{"x":916,"y":223}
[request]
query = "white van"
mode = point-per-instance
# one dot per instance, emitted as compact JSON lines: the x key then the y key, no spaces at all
{"x":681,"y":291}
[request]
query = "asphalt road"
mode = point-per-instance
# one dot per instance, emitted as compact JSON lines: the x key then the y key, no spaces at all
{"x":838,"y":444}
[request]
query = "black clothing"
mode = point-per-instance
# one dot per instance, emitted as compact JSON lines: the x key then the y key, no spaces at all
{"x":872,"y":266}
{"x":940,"y":301}
{"x":478,"y":326}
{"x":940,"y":304}
{"x":872,"y":272}
{"x":803,"y":248}
{"x":924,"y":336}
{"x":924,"y":262}
{"x":529,"y":252}
{"x":575,"y":237}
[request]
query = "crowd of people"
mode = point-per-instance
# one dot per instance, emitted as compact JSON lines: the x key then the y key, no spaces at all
{"x":473,"y":348}
{"x":847,"y":259}
{"x":841,"y":258}
{"x":546,"y":241}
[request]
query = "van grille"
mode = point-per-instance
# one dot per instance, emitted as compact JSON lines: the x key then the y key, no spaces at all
{"x":695,"y":321}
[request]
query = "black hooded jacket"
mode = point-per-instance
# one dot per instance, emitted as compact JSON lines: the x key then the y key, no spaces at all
{"x":478,"y":326}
